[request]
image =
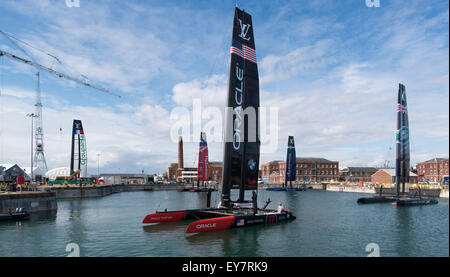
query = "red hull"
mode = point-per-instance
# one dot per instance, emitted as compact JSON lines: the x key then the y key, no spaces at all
{"x":211,"y":224}
{"x":164,"y":217}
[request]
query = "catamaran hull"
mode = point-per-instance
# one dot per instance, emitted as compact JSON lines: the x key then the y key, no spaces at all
{"x":218,"y":219}
{"x":415,"y":202}
{"x":403,"y":201}
{"x":228,"y":222}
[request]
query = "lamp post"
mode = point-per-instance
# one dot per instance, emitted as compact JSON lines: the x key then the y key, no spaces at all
{"x":98,"y":165}
{"x":32,"y":116}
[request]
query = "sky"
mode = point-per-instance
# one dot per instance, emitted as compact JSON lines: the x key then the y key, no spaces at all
{"x":329,"y":71}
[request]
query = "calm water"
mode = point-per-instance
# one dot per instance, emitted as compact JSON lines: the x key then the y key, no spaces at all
{"x":327,"y":224}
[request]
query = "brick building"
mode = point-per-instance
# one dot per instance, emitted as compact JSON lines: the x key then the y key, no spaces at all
{"x":307,"y":170}
{"x":354,"y":174}
{"x":387,"y":176}
{"x":433,"y":170}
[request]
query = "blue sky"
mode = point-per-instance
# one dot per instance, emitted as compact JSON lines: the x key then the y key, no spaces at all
{"x":332,"y":69}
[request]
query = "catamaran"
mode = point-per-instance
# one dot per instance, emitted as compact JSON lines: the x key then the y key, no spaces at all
{"x":291,"y":163}
{"x":203,"y":166}
{"x":402,"y":162}
{"x":241,"y":147}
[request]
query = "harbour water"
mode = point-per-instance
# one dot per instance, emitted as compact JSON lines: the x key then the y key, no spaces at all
{"x":328,"y":224}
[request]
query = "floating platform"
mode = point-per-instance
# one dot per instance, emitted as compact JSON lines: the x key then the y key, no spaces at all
{"x":415,"y":201}
{"x":214,"y":219}
{"x":377,"y":199}
{"x":399,"y":201}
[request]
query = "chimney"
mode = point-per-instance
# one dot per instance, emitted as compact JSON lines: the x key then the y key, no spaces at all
{"x":180,"y":152}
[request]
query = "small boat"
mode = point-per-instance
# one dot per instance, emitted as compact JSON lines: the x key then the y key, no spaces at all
{"x":182,"y":189}
{"x":19,"y":213}
{"x":201,"y":189}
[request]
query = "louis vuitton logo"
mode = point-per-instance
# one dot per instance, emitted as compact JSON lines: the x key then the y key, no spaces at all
{"x":244,"y":30}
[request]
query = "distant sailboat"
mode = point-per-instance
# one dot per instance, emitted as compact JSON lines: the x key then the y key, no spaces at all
{"x":291,"y":168}
{"x":402,"y":161}
{"x":203,"y":165}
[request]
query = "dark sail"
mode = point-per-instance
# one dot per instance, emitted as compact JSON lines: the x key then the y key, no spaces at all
{"x":242,"y":143}
{"x":291,"y":162}
{"x":79,"y":150}
{"x":402,"y":159}
{"x":203,"y":164}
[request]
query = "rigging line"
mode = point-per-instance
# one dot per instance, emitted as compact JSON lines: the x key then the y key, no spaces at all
{"x":1,"y":108}
{"x":29,"y":45}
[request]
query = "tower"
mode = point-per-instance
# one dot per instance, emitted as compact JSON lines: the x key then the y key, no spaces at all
{"x":180,"y":152}
{"x":39,"y":157}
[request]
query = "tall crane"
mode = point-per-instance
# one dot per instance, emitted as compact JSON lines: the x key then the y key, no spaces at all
{"x":39,"y":157}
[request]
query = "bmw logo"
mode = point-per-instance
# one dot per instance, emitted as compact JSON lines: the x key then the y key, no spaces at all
{"x":252,"y":165}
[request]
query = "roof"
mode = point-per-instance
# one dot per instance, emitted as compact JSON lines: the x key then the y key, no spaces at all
{"x":436,"y":160}
{"x":7,"y":166}
{"x":359,"y":169}
{"x":124,"y":174}
{"x":272,"y":162}
{"x":311,"y":159}
{"x":57,"y":172}
{"x":391,"y":171}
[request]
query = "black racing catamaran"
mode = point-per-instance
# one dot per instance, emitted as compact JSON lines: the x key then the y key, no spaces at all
{"x":241,"y":147}
{"x":291,"y":163}
{"x":402,"y":162}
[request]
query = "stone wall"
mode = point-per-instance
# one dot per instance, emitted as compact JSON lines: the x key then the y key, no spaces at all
{"x":31,"y":201}
{"x":104,"y":190}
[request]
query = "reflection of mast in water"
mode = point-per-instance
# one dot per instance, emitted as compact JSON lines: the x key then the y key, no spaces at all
{"x":405,"y":241}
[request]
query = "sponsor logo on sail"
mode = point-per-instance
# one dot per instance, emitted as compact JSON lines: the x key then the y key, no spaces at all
{"x":252,"y":165}
{"x":238,"y":97}
{"x":244,"y":30}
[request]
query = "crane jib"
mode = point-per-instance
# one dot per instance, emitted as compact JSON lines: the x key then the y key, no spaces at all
{"x":61,"y":75}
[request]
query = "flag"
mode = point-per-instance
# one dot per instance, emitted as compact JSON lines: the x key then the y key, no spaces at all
{"x":243,"y":51}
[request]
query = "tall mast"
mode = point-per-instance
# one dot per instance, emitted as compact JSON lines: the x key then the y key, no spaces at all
{"x":291,"y":162}
{"x":242,"y":143}
{"x":402,"y":159}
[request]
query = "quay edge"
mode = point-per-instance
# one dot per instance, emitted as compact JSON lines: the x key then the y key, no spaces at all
{"x":33,"y":201}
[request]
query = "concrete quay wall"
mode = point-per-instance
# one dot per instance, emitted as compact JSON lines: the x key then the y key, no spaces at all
{"x":308,"y":186}
{"x":31,"y":201}
{"x":104,"y":190}
{"x":347,"y":188}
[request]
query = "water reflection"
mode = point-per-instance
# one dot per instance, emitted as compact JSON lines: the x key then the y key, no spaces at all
{"x":404,"y":233}
{"x":210,"y":238}
{"x":165,"y":227}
